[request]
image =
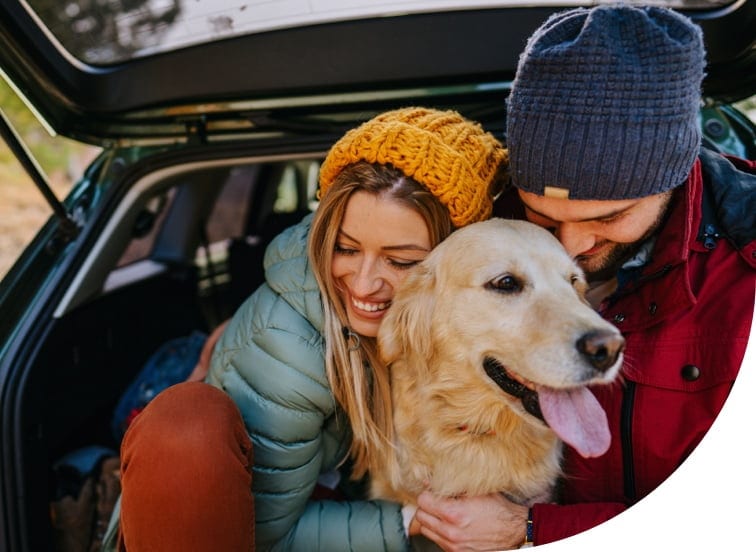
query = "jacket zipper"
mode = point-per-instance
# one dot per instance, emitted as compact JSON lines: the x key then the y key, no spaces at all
{"x":628,"y":397}
{"x":626,"y":431}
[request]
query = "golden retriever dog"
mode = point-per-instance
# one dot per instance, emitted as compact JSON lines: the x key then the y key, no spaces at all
{"x":491,"y":346}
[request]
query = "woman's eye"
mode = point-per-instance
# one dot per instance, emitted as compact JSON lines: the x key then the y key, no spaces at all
{"x":506,"y":284}
{"x":401,"y":264}
{"x":343,"y":250}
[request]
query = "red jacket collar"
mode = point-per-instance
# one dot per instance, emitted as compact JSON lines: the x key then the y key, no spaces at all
{"x":678,"y":234}
{"x":645,"y":302}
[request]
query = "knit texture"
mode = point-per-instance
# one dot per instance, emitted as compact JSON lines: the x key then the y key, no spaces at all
{"x":605,"y":103}
{"x":453,"y":157}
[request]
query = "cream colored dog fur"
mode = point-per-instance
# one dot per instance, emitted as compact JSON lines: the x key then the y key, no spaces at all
{"x":498,"y":300}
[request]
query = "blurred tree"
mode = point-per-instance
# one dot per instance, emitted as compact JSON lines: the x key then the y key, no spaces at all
{"x":107,"y":31}
{"x":23,"y":120}
{"x":58,"y":156}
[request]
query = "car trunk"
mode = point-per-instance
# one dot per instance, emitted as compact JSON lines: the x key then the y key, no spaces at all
{"x":209,"y":151}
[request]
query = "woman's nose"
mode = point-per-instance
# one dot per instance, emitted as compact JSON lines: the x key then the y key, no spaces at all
{"x":367,"y":278}
{"x":574,"y":238}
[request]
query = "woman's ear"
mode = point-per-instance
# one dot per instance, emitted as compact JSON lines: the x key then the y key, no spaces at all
{"x":406,"y":328}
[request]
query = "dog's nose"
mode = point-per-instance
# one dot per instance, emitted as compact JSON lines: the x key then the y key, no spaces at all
{"x":601,"y":348}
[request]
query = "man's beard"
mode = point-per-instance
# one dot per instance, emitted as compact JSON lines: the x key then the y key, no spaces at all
{"x":620,"y":253}
{"x":608,"y":266}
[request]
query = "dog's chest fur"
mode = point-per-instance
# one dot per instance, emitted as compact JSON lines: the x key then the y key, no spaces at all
{"x":459,"y":439}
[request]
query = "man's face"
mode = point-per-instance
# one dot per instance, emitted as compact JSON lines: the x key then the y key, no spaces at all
{"x":600,"y":235}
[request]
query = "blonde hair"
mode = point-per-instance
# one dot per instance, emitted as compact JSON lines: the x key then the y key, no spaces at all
{"x":358,"y":378}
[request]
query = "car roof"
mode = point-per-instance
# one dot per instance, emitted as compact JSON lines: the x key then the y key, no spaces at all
{"x":137,"y":69}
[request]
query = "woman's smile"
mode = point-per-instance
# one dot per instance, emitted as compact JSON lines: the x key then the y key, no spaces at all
{"x":370,"y":307}
{"x":379,"y":240}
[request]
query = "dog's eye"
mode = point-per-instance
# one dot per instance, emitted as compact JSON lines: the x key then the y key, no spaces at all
{"x":506,"y":284}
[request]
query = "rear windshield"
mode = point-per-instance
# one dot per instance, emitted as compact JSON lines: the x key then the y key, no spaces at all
{"x":102,"y":32}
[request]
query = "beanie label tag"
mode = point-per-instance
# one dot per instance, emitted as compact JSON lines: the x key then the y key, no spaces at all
{"x":558,"y":193}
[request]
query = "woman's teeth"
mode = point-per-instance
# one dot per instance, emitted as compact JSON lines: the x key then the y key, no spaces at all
{"x":370,"y":307}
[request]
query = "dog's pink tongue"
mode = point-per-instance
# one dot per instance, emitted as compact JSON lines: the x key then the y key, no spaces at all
{"x":577,"y":417}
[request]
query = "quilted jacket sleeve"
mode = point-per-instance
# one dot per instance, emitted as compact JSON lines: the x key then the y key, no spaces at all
{"x":270,"y":361}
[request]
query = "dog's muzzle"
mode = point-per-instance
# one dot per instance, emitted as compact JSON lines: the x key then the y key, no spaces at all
{"x":527,"y":396}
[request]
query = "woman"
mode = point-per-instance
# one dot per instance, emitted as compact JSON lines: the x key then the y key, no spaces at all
{"x":299,"y":358}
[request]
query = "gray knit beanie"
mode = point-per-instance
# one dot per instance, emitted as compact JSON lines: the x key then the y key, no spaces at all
{"x":605,"y":104}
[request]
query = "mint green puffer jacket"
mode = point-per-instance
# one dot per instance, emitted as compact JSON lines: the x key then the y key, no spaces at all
{"x":270,"y":361}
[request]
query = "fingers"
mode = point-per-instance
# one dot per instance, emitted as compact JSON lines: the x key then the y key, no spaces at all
{"x":434,"y":504}
{"x":486,"y":522}
{"x":440,"y":520}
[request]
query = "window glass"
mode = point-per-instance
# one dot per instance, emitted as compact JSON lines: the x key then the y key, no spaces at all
{"x":287,"y":194}
{"x":109,"y":31}
{"x":312,"y":173}
{"x":748,"y":107}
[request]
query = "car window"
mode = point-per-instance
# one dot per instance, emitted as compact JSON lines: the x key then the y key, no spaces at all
{"x":109,"y":31}
{"x":287,"y":192}
{"x":256,"y":203}
{"x":251,"y":204}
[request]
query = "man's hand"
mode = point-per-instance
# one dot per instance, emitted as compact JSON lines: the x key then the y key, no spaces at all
{"x":489,"y":522}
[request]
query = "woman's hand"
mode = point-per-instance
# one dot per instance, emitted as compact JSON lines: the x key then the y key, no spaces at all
{"x":489,"y":522}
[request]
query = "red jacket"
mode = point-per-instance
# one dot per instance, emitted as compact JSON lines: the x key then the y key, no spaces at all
{"x":686,"y":320}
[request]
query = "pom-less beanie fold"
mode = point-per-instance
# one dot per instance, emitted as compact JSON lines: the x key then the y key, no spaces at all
{"x":605,"y":103}
{"x":453,"y":157}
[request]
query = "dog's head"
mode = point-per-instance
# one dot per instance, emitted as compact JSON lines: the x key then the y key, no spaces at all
{"x":504,"y":298}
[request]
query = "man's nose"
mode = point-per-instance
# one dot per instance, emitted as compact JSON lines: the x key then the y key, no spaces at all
{"x":574,"y":239}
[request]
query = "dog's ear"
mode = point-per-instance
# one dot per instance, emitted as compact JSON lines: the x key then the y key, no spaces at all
{"x":406,"y":329}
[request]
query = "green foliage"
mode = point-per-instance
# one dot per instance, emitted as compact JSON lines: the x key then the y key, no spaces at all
{"x":54,"y":154}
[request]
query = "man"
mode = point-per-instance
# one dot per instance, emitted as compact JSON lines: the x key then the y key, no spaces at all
{"x":604,"y":148}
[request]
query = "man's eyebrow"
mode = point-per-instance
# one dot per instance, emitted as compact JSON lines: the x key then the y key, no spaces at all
{"x":397,"y":247}
{"x":604,"y":216}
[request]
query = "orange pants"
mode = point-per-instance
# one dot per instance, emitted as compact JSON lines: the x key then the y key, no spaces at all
{"x":186,"y":473}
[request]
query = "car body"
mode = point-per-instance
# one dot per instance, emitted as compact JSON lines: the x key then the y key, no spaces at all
{"x":211,"y":142}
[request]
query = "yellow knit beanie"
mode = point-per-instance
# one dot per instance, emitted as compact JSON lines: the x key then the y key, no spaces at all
{"x":453,"y":157}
